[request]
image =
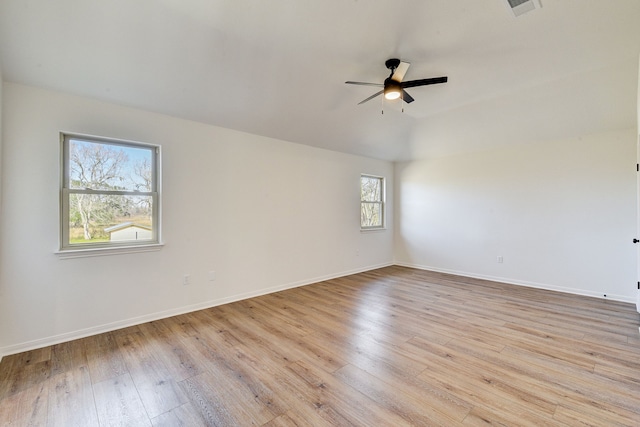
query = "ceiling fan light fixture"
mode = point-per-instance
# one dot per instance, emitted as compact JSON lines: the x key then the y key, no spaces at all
{"x":392,"y":90}
{"x":392,"y":94}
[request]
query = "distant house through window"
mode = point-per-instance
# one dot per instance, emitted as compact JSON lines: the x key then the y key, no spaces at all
{"x":371,"y":202}
{"x":109,"y":194}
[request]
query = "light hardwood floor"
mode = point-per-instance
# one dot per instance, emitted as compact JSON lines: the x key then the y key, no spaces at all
{"x":390,"y":347}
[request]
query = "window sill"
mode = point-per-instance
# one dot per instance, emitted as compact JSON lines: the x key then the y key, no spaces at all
{"x":369,"y":230}
{"x":91,"y":252}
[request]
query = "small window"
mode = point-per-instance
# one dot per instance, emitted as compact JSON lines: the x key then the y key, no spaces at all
{"x":110,"y":193}
{"x":371,"y":202}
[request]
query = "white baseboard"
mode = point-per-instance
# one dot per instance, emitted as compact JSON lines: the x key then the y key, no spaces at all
{"x":509,"y":281}
{"x":82,"y":333}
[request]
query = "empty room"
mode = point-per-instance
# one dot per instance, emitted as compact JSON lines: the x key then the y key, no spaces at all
{"x":336,"y":213}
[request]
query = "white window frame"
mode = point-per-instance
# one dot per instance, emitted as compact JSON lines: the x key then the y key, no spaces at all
{"x":68,"y":249}
{"x":381,"y":202}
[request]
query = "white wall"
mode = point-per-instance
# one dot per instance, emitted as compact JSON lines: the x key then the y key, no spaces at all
{"x":638,"y":185}
{"x":1,"y":209}
{"x":263,"y":214}
{"x":2,"y":327}
{"x":562,"y":214}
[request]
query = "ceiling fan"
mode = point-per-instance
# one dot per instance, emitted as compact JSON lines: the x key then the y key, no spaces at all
{"x":394,"y":87}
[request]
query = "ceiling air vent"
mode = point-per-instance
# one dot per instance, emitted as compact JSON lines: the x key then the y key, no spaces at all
{"x":520,"y":7}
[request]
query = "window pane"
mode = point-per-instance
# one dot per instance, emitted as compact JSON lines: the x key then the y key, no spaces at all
{"x":97,"y":166}
{"x":97,"y":218}
{"x":371,"y":189}
{"x":371,"y":214}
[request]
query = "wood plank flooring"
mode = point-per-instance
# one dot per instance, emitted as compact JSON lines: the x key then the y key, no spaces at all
{"x":389,"y":347}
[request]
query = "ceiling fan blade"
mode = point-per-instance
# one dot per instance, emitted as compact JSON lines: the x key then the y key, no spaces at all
{"x":365,"y":84}
{"x":371,"y":97}
{"x":399,"y":73}
{"x":424,"y":82}
{"x":406,"y":97}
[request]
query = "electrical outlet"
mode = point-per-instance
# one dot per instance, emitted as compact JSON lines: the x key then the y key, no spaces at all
{"x":500,"y":259}
{"x":186,"y":279}
{"x":212,"y":276}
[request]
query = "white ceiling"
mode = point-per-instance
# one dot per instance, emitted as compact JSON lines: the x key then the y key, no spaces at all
{"x":277,"y":68}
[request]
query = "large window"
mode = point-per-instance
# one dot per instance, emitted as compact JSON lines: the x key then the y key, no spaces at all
{"x":110,"y":193}
{"x":371,"y":202}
